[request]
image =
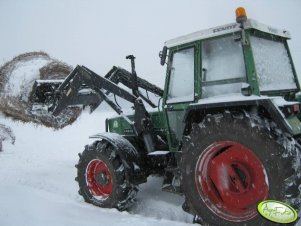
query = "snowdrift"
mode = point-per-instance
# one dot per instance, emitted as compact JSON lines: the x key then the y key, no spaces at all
{"x":16,"y":80}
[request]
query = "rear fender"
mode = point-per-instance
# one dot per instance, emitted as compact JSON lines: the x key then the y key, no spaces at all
{"x":195,"y":112}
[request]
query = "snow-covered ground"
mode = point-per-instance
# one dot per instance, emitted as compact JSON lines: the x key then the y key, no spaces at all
{"x":38,"y":187}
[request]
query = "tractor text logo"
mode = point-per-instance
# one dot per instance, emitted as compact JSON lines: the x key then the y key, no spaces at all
{"x":230,"y":27}
{"x":277,"y":211}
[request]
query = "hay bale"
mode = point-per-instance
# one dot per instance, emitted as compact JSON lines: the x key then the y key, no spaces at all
{"x":10,"y":66}
{"x":55,"y":70}
{"x":16,"y":80}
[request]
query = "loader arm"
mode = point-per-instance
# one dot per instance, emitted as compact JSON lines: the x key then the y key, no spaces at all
{"x":44,"y":91}
{"x":84,"y":87}
{"x":69,"y":91}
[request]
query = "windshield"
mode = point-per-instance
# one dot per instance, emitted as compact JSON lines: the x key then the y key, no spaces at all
{"x":273,"y":66}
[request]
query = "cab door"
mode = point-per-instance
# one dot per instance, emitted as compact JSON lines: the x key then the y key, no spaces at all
{"x":181,"y":77}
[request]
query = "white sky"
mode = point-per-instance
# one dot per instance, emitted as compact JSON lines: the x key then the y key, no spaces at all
{"x":99,"y":34}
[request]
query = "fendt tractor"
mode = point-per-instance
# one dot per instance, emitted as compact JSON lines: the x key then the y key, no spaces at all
{"x":226,"y":134}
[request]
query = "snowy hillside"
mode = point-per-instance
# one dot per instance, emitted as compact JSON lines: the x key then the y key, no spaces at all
{"x":38,"y":186}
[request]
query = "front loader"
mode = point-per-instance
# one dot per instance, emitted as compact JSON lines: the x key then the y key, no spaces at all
{"x":227,"y":135}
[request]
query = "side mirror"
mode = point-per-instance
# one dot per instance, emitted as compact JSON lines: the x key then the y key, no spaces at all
{"x":163,"y":55}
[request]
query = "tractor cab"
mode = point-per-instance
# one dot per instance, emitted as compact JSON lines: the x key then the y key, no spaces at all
{"x":239,"y":61}
{"x":249,"y":58}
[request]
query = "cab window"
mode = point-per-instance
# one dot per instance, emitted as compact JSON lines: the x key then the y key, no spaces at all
{"x":181,"y":82}
{"x":223,"y":67}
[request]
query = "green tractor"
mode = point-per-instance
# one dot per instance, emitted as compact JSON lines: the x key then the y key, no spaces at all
{"x":225,"y":136}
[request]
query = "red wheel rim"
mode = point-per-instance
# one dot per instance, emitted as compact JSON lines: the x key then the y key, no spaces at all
{"x":99,"y":179}
{"x":231,"y":180}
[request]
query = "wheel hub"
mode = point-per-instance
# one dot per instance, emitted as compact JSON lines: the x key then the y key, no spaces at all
{"x":102,"y":178}
{"x":231,"y":180}
{"x":99,"y":179}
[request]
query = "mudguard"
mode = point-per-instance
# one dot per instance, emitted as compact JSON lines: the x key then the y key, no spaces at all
{"x":128,"y":154}
{"x":288,"y":125}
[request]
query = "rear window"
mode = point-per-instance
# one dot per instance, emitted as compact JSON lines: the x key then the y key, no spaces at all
{"x":273,"y":66}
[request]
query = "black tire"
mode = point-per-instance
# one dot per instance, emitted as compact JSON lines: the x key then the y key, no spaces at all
{"x":278,"y":153}
{"x":110,"y":187}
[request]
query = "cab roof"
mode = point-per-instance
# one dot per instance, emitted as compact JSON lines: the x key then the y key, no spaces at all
{"x":225,"y":29}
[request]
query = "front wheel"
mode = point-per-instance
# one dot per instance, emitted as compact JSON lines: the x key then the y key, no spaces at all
{"x":231,"y":163}
{"x":102,"y":177}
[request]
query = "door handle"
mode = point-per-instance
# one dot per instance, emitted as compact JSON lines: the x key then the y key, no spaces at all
{"x":169,"y":107}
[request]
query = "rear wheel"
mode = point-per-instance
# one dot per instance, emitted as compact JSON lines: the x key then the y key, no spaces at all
{"x":231,"y":163}
{"x":102,"y":178}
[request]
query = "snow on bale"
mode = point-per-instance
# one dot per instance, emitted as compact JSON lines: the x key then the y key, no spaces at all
{"x":16,"y":81}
